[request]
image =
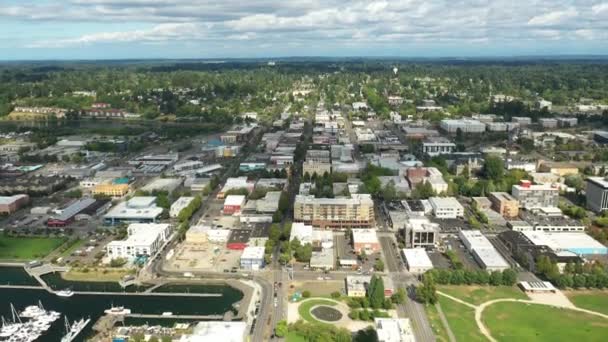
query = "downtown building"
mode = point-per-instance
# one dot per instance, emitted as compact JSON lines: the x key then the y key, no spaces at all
{"x":335,"y":213}
{"x":597,"y":194}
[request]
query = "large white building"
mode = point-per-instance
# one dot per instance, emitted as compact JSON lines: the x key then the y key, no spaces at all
{"x":482,"y":250}
{"x":394,"y":330}
{"x":217,"y":331}
{"x":535,"y":196}
{"x":578,"y":243}
{"x":252,"y":258}
{"x":144,"y":239}
{"x":139,"y":209}
{"x":179,"y":205}
{"x":446,"y":207}
{"x":465,"y":125}
{"x":435,"y":146}
{"x":416,"y":260}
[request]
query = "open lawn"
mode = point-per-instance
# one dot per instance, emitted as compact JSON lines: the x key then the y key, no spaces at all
{"x":594,"y":300}
{"x":461,"y":319}
{"x":304,"y":309}
{"x":293,"y":336}
{"x":25,"y":248}
{"x":436,"y":324}
{"x":94,"y":274}
{"x":510,"y":321}
{"x":476,"y":294}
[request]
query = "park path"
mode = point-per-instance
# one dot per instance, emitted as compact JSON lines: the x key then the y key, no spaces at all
{"x":480,"y":308}
{"x":445,"y":323}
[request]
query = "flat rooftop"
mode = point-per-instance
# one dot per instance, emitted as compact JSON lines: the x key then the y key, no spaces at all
{"x":566,"y":241}
{"x":417,"y":257}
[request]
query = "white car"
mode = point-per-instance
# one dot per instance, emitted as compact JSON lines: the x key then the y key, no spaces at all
{"x":276,"y":302}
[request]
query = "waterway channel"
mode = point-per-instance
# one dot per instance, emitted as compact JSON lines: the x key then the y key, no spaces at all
{"x":93,"y":306}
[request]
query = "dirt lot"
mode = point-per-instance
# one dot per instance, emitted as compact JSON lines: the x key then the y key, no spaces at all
{"x":212,"y":257}
{"x":317,"y":288}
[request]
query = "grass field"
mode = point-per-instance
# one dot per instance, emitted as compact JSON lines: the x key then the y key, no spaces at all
{"x":479,"y":294}
{"x":462,"y":320}
{"x":101,"y":274}
{"x":22,"y":248}
{"x":510,"y":321}
{"x":304,"y":309}
{"x":292,"y":336}
{"x":436,"y":324}
{"x":75,"y":245}
{"x":595,"y":300}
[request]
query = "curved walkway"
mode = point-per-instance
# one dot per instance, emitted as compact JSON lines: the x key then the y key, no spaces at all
{"x":479,"y":310}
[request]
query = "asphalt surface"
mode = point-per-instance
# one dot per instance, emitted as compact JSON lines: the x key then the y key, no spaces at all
{"x":402,"y":278}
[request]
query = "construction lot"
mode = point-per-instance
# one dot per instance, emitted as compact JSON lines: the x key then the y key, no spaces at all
{"x":204,"y":257}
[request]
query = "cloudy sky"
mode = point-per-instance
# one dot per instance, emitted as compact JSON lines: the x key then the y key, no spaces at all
{"x":103,"y":29}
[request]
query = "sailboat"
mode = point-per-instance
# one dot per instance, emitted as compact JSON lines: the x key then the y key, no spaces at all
{"x":72,"y":330}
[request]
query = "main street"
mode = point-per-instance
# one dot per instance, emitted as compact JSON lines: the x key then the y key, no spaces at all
{"x":402,"y":278}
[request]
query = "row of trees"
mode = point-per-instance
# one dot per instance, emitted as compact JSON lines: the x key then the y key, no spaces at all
{"x":507,"y":277}
{"x":575,"y":275}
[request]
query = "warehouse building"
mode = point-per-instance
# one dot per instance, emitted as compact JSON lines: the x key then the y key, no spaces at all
{"x":179,"y":205}
{"x":68,"y":214}
{"x":144,"y":239}
{"x":577,"y":243}
{"x":482,"y":250}
{"x":139,"y":209}
{"x":417,"y":260}
{"x":10,"y":204}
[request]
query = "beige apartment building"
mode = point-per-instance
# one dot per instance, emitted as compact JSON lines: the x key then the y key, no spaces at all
{"x":335,"y":213}
{"x":505,"y":204}
{"x":113,"y":190}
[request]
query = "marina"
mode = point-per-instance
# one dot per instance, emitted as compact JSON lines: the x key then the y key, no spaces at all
{"x":28,"y":325}
{"x":148,"y":306}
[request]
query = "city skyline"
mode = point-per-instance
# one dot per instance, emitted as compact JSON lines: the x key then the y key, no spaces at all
{"x":111,"y":29}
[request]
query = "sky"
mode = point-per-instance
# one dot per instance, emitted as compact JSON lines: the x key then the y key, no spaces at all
{"x":123,"y":29}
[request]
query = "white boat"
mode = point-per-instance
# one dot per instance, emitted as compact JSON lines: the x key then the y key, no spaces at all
{"x":74,"y":329}
{"x":65,"y":293}
{"x":118,"y":310}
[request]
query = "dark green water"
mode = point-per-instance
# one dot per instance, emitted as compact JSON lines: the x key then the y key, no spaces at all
{"x":93,"y":306}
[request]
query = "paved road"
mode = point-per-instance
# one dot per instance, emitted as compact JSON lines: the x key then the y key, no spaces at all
{"x":402,"y":278}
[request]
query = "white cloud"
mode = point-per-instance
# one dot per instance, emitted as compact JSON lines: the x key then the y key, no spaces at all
{"x":553,"y":18}
{"x":319,"y":22}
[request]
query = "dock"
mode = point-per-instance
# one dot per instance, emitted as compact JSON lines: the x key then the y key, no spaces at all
{"x":192,"y":317}
{"x":154,"y":294}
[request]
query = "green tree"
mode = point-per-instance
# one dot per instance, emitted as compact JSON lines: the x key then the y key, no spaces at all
{"x":281,"y":329}
{"x":375,"y":292}
{"x":494,"y":168}
{"x":496,"y":278}
{"x":379,"y":265}
{"x":399,"y":297}
{"x":427,"y":292}
{"x":389,"y":193}
{"x":509,"y":277}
